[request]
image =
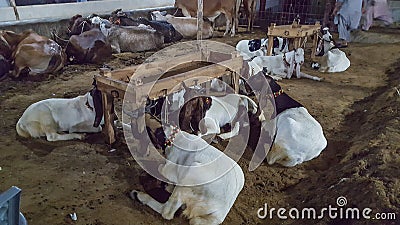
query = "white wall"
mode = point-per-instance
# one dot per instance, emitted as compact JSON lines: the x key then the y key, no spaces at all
{"x":67,"y":10}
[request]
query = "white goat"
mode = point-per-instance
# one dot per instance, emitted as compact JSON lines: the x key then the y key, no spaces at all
{"x":334,"y":59}
{"x":248,"y":49}
{"x":207,"y":181}
{"x":281,"y":66}
{"x":224,"y":110}
{"x":299,"y":137}
{"x":52,"y":116}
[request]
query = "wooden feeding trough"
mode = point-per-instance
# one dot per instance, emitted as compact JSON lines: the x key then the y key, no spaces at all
{"x":114,"y":84}
{"x":296,"y":32}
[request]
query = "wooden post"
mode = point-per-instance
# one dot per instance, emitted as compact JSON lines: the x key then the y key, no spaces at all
{"x":108,"y":110}
{"x":270,"y":39}
{"x":314,"y":46}
{"x":199,"y":20}
{"x":235,"y":78}
{"x":270,"y":44}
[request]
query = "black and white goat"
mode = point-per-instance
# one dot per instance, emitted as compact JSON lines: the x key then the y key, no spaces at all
{"x":298,"y":136}
{"x":333,"y":59}
{"x":249,"y":49}
{"x":281,"y":66}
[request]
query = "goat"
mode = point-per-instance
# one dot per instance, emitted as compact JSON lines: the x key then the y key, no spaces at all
{"x":165,"y":28}
{"x":39,"y":54}
{"x":333,"y":59}
{"x":206,"y":180}
{"x":258,"y":47}
{"x":49,"y":117}
{"x":299,"y":137}
{"x":186,"y":26}
{"x":281,"y":66}
{"x":132,"y":39}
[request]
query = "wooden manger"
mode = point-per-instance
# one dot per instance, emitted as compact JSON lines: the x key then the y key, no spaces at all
{"x":296,"y":32}
{"x":115,"y":84}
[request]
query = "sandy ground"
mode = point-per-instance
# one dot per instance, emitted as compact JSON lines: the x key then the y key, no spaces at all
{"x":358,"y":109}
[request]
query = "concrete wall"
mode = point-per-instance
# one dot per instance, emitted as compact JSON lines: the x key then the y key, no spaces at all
{"x":395,"y":7}
{"x":67,"y":10}
{"x":45,"y":26}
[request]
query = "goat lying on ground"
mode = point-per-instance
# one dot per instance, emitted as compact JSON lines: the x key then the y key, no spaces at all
{"x":207,"y":181}
{"x":299,"y":137}
{"x":37,"y":55}
{"x":206,"y":115}
{"x":249,"y":49}
{"x":132,"y":39}
{"x":118,"y":17}
{"x":51,"y":116}
{"x":225,"y":110}
{"x":88,"y":47}
{"x":333,"y":59}
{"x":78,"y":25}
{"x":165,"y":28}
{"x":281,"y":66}
{"x":186,"y":26}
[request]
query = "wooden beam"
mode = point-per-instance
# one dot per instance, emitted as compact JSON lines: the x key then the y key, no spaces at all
{"x":200,"y":75}
{"x":199,"y":20}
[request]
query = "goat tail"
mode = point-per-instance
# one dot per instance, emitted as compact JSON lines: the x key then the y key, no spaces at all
{"x":21,"y":131}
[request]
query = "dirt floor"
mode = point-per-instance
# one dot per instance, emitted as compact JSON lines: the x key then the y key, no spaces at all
{"x":358,"y":109}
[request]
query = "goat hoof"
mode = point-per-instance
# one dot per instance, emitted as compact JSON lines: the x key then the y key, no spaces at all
{"x":167,"y":216}
{"x":134,"y":195}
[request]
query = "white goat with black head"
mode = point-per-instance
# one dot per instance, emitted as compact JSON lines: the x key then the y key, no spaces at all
{"x":249,"y":49}
{"x":333,"y":59}
{"x":51,"y":117}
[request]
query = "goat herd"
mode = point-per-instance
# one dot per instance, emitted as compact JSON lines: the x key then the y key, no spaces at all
{"x":297,"y":138}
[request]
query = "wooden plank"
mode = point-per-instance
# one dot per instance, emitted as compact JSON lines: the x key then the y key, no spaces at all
{"x":151,"y":71}
{"x":314,"y":47}
{"x":270,"y":44}
{"x":108,"y":109}
{"x":200,"y":75}
{"x":110,"y":83}
{"x":290,"y":31}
